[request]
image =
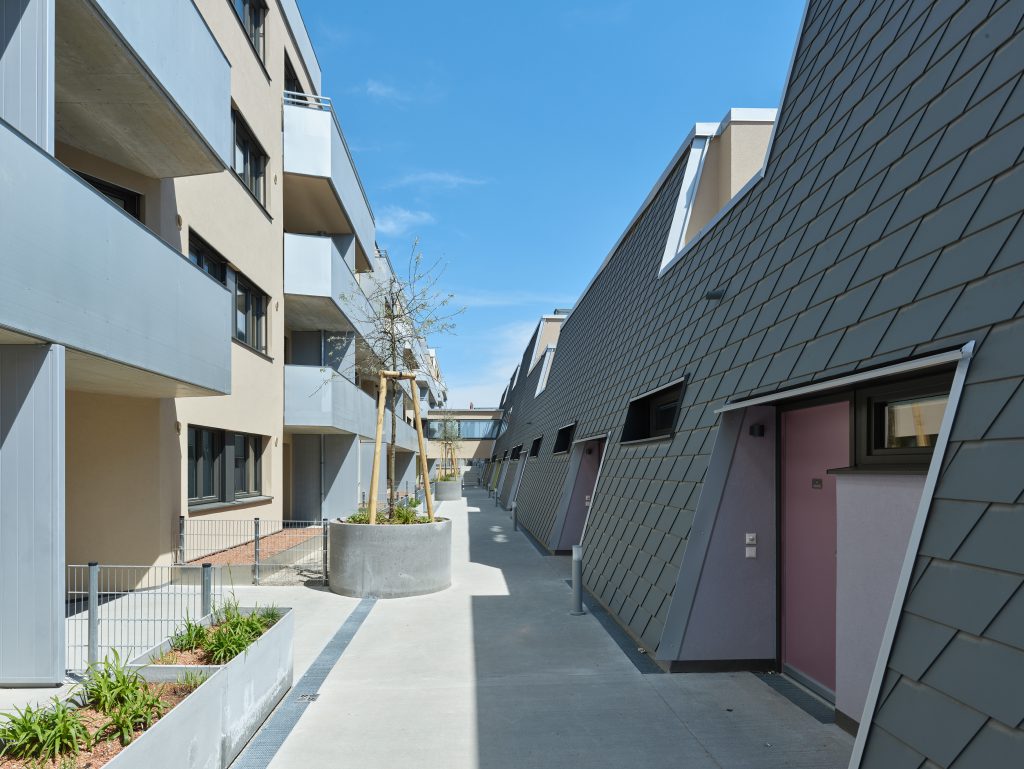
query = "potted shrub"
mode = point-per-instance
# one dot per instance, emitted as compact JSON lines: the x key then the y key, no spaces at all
{"x":400,"y":552}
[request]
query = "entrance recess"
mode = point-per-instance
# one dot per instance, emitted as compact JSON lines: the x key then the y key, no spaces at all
{"x":589,"y":454}
{"x":814,"y":440}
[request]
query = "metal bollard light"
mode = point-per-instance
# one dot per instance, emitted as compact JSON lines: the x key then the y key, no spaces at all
{"x":577,"y":581}
{"x":515,"y":518}
{"x":207,"y":605}
{"x":94,"y":613}
{"x":256,"y":551}
{"x":324,"y":563}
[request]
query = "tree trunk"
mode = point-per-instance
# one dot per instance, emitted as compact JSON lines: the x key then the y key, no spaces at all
{"x":392,"y":491}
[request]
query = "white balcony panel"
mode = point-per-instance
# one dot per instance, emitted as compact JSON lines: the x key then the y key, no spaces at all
{"x":320,"y":286}
{"x":144,"y":85}
{"x":323,"y":192}
{"x":317,"y":401}
{"x":135,"y":316}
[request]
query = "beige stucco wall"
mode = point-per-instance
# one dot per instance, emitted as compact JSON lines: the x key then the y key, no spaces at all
{"x":120,"y":485}
{"x":732,"y":159}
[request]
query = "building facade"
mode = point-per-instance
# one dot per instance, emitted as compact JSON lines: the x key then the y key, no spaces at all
{"x":477,"y":428}
{"x":785,"y":417}
{"x":187,"y":253}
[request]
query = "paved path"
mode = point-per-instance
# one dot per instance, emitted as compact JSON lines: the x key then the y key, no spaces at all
{"x":494,"y":673}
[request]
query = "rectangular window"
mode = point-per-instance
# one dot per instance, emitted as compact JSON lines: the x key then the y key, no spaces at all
{"x":563,"y":440}
{"x":250,"y":315}
{"x":128,"y":201}
{"x":205,"y":468}
{"x":205,"y":258}
{"x":253,"y":15}
{"x":899,"y":423}
{"x":535,"y":447}
{"x":291,"y":80}
{"x":248,"y":465}
{"x":653,"y":415}
{"x":517,"y":452}
{"x":250,"y":161}
{"x":223,"y":465}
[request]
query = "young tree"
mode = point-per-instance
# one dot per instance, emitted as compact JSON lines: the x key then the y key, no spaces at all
{"x":403,"y":312}
{"x":450,"y":441}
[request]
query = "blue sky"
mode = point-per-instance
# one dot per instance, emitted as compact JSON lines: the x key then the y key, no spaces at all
{"x":518,"y":145}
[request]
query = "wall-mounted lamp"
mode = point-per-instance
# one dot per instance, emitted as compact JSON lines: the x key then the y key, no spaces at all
{"x":757,"y":431}
{"x":715,"y":295}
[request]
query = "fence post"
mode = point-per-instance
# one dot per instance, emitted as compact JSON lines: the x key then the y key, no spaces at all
{"x":324,"y":562}
{"x":181,"y":539}
{"x":207,"y":589}
{"x":256,"y":551}
{"x":577,"y":581}
{"x":94,"y":613}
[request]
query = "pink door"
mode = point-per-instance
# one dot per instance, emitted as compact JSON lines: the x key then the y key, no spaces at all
{"x":814,"y":440}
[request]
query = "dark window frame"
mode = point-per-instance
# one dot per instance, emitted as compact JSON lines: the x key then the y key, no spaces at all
{"x":252,"y":15}
{"x":869,"y":415}
{"x":517,"y":452}
{"x":222,"y":466}
{"x":291,"y":77}
{"x":201,"y":469}
{"x":253,"y":313}
{"x":127,"y":200}
{"x":206,"y":258}
{"x":535,"y":447}
{"x":253,"y":161}
{"x":251,"y":466}
{"x":563,"y":439}
{"x":645,"y":414}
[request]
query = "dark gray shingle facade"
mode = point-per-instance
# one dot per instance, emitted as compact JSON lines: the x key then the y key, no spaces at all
{"x":887,"y":225}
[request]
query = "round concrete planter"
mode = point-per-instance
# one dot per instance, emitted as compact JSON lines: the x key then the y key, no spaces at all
{"x":390,"y":561}
{"x":446,"y":491}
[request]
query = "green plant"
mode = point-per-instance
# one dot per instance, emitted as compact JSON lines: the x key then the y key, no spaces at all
{"x":269,"y":615}
{"x":190,"y":637}
{"x":44,"y":733}
{"x":226,"y":643}
{"x":109,"y":683}
{"x":191,"y":681}
{"x":138,"y":710}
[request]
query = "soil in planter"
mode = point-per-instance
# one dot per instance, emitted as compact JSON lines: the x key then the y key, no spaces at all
{"x":104,"y":750}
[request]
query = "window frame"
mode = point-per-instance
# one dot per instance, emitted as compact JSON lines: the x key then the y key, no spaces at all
{"x":517,"y":452}
{"x":250,"y":148}
{"x":123,"y":198}
{"x":255,"y":324}
{"x":206,"y":254}
{"x":535,"y":446}
{"x":197,"y":477}
{"x":252,"y":465}
{"x":869,"y":404}
{"x":640,"y":424}
{"x":248,"y":12}
{"x":564,"y":438}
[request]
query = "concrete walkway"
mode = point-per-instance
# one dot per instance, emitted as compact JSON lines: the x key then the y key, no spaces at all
{"x":495,"y":673}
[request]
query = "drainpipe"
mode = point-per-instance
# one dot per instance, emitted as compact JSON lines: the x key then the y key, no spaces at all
{"x":323,"y":445}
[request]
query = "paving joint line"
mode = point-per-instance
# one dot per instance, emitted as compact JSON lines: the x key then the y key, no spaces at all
{"x":262,"y":748}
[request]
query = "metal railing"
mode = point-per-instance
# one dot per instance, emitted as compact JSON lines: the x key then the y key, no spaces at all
{"x":256,"y":550}
{"x":324,"y":104}
{"x":132,"y":608}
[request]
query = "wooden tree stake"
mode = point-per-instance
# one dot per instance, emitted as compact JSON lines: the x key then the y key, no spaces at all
{"x":375,"y":476}
{"x":423,"y":457}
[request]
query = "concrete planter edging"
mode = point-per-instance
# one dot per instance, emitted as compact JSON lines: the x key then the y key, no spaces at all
{"x":209,"y":728}
{"x":390,"y":561}
{"x":446,"y":491}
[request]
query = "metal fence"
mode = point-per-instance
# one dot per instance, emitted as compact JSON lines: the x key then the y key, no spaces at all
{"x":256,"y":551}
{"x":132,"y":608}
